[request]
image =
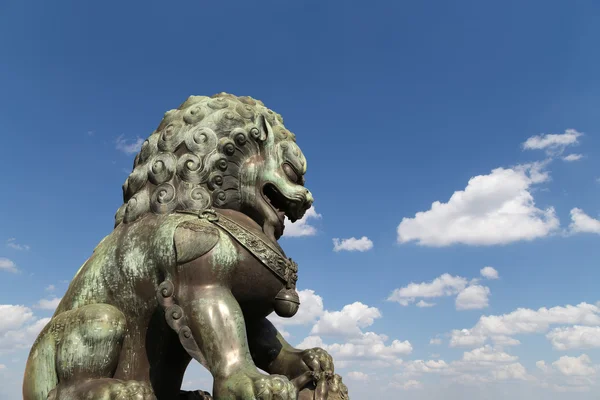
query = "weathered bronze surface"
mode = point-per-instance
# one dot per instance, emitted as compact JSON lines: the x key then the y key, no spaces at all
{"x":191,"y":270}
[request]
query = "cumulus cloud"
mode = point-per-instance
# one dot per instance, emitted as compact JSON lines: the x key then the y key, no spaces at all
{"x":553,"y":143}
{"x":524,"y":321}
{"x":346,"y":322}
{"x":352,"y":244}
{"x":13,"y":316}
{"x":575,"y":337}
{"x":48,"y":304}
{"x":18,"y":327}
{"x":542,"y":366}
{"x":474,"y":297}
{"x":357,"y":346}
{"x":129,"y":147}
{"x":407,"y":385}
{"x":435,"y":341}
{"x":487,"y":354}
{"x":583,"y":223}
{"x":573,"y":157}
{"x":470,"y":295}
{"x":12,"y":243}
{"x":415,"y":367}
{"x":575,"y":366}
{"x":489,"y":273}
{"x":302,"y":226}
{"x":505,"y":341}
{"x":8,"y":265}
{"x":357,"y":376}
{"x":466,"y":338}
{"x":367,"y":347}
{"x":444,"y":285}
{"x":482,"y":365}
{"x":493,"y":209}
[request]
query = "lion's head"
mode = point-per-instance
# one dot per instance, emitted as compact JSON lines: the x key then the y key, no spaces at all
{"x":224,"y":152}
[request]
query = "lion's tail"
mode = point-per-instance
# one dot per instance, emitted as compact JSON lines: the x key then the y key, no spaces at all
{"x":40,"y":371}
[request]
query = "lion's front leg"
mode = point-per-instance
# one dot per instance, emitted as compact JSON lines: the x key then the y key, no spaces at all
{"x":272,"y":353}
{"x":217,"y":325}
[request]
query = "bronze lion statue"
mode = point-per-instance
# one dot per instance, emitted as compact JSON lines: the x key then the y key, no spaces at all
{"x":191,"y":270}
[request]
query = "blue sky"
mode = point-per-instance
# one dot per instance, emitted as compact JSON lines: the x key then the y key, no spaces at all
{"x":489,"y":109}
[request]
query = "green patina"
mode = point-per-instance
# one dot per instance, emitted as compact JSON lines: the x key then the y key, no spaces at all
{"x":212,"y":152}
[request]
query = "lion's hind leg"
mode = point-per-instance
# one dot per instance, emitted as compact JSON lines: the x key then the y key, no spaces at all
{"x":87,"y":344}
{"x":40,"y":371}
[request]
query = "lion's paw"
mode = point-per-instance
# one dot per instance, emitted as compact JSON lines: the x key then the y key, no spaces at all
{"x":319,"y":361}
{"x":274,"y":387}
{"x":131,"y":390}
{"x":103,"y":389}
{"x":254,"y":385}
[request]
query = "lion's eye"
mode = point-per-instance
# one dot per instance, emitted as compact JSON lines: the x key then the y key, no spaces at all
{"x":291,"y":174}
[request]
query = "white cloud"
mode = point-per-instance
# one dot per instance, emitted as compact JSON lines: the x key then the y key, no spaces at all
{"x":18,"y":327}
{"x":435,"y":341}
{"x":129,"y":147}
{"x":482,"y":365}
{"x":583,"y":223}
{"x":50,"y":288}
{"x":13,"y":317}
{"x":553,"y":143}
{"x":573,"y":157}
{"x":489,"y":273}
{"x":487,"y":354}
{"x":358,"y":346}
{"x":352,"y":244}
{"x":14,"y":245}
{"x":474,"y":297}
{"x":284,"y":333}
{"x":575,"y":337}
{"x":48,"y":304}
{"x":444,"y":285}
{"x":311,"y":308}
{"x":575,"y":366}
{"x":8,"y":265}
{"x":514,"y":371}
{"x":416,"y":367}
{"x":494,"y":209}
{"x":408,"y":385}
{"x":505,"y":341}
{"x":357,"y":376}
{"x":368,"y":347}
{"x":466,"y":338}
{"x":347,"y":322}
{"x":424,"y":304}
{"x":525,"y":321}
{"x":301,"y":227}
{"x":542,"y":366}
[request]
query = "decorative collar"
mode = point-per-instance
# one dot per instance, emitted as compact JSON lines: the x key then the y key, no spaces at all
{"x":284,"y":268}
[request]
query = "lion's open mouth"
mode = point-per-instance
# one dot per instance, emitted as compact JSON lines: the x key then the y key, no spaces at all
{"x":281,"y":204}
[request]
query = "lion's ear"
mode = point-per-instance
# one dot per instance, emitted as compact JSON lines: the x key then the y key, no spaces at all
{"x":266,"y":132}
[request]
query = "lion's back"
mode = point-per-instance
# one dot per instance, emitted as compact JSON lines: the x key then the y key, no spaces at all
{"x":127,"y":266}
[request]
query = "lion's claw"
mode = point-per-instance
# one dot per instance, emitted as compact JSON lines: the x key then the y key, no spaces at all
{"x":274,"y":387}
{"x":256,"y":386}
{"x":318,"y":360}
{"x":104,"y":389}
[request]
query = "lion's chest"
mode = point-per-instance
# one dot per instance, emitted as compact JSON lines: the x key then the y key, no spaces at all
{"x":253,"y":284}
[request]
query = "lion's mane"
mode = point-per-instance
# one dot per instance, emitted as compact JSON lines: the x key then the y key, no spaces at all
{"x":192,"y":160}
